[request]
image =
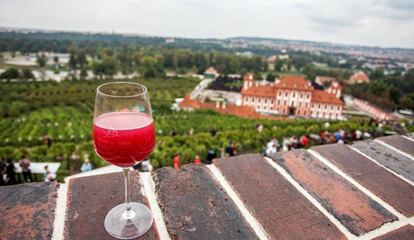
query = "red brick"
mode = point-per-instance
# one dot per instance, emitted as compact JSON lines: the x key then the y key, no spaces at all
{"x":27,"y":210}
{"x":280,"y":208}
{"x":196,"y":207}
{"x":402,"y":233}
{"x":353,"y":208}
{"x":381,"y":182}
{"x":91,"y":198}
{"x":400,"y":143}
{"x":387,"y":157}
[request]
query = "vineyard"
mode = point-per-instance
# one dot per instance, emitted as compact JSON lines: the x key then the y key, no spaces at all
{"x":63,"y":111}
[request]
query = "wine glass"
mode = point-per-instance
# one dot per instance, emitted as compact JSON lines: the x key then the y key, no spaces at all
{"x":123,"y":134}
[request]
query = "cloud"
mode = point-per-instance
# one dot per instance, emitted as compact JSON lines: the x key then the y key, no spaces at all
{"x":398,"y":4}
{"x":378,"y":22}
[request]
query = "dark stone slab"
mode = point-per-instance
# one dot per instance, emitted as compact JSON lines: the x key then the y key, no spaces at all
{"x":402,"y":233}
{"x":388,"y":158}
{"x":381,"y":182}
{"x":281,"y":209}
{"x":400,"y":143}
{"x":27,"y":210}
{"x":91,"y":198}
{"x":196,"y":207}
{"x":353,"y":208}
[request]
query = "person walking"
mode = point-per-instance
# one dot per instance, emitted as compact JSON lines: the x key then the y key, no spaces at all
{"x":26,"y":172}
{"x":86,"y":165}
{"x":146,"y":166}
{"x":304,"y":141}
{"x":2,"y":168}
{"x":229,"y":150}
{"x":197,"y":160}
{"x":11,"y":172}
{"x":176,"y":161}
{"x":48,"y":176}
{"x":211,"y":155}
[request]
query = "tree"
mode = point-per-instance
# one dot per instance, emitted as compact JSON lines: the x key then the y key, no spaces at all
{"x":150,"y":67}
{"x":407,"y":102}
{"x":105,"y":68}
{"x":376,"y":74}
{"x":257,"y":76}
{"x":41,"y":60}
{"x":56,"y":60}
{"x":10,"y":73}
{"x":83,"y":73}
{"x":379,"y":88}
{"x":271,"y":77}
{"x":310,"y":71}
{"x":27,"y":74}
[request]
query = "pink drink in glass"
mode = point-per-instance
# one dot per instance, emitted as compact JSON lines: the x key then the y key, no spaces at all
{"x":124,"y":138}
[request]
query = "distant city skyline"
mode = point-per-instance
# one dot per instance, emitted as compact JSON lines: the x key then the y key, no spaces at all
{"x":384,"y":23}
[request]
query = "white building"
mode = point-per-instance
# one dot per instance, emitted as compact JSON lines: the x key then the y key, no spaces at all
{"x":292,"y":95}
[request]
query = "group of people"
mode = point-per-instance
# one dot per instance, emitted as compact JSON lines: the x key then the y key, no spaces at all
{"x":293,"y":142}
{"x":211,"y":154}
{"x":342,"y":136}
{"x":10,"y":176}
{"x":8,"y":172}
{"x":325,"y":137}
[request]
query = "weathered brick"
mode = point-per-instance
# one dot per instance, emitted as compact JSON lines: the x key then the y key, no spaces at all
{"x":91,"y":198}
{"x":353,"y":208}
{"x":381,"y":182}
{"x":402,"y":233}
{"x":27,"y":210}
{"x":196,"y":207}
{"x":400,"y":143}
{"x":281,"y":209}
{"x":387,"y":157}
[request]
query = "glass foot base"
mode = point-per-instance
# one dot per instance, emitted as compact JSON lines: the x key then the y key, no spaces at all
{"x":126,"y":225}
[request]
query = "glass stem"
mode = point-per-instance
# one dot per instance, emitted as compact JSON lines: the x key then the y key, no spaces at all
{"x":127,"y":188}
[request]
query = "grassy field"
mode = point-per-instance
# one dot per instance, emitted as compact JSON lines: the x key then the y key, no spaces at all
{"x":64,"y":110}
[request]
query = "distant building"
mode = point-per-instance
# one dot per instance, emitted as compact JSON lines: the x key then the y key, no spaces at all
{"x":170,"y":40}
{"x":372,"y":110}
{"x":211,"y":73}
{"x":288,"y":96}
{"x":335,"y":89}
{"x":271,"y":61}
{"x":320,"y":65}
{"x":292,"y":95}
{"x":358,"y":77}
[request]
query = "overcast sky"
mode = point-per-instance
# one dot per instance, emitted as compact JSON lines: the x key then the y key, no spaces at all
{"x":388,"y":23}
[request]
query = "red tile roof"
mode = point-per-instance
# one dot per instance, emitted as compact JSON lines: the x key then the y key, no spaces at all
{"x":261,"y":91}
{"x":290,"y":82}
{"x":294,"y":83}
{"x":359,"y":77}
{"x":321,"y":96}
{"x":210,"y":70}
{"x":230,"y":109}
